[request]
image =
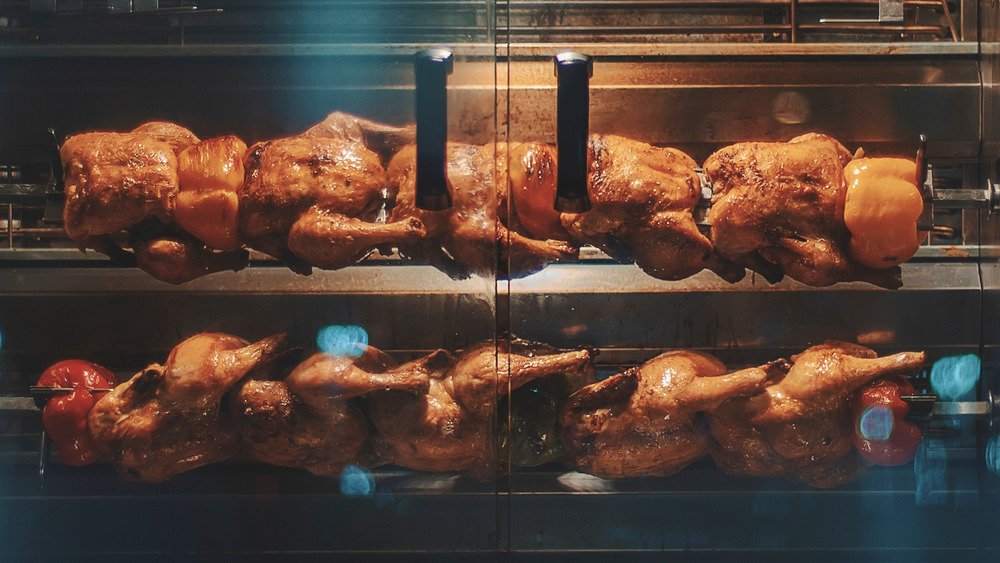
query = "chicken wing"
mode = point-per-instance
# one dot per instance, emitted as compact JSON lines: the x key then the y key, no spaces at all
{"x":168,"y":419}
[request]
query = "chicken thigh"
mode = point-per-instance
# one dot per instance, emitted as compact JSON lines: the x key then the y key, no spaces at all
{"x":469,"y":236}
{"x":313,"y":201}
{"x":308,"y":419}
{"x":800,"y":425}
{"x":778,"y":208}
{"x":451,"y":427}
{"x":167,"y":419}
{"x":642,"y":202}
{"x":647,"y":420}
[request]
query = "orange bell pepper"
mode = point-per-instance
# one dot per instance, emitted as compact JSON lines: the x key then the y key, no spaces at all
{"x":881,"y":211}
{"x":207,"y":205}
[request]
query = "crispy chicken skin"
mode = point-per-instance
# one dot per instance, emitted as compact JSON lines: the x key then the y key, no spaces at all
{"x":469,"y":237}
{"x":450,"y":427}
{"x":168,"y":419}
{"x":114,"y":181}
{"x":647,"y":420}
{"x":312,"y":201}
{"x":309,"y":418}
{"x":800,"y":425}
{"x":130,"y":182}
{"x":642,"y":201}
{"x":178,"y":137}
{"x":778,"y":208}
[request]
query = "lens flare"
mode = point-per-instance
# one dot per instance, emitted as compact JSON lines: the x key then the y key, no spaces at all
{"x":993,"y":454}
{"x":357,"y":481}
{"x":954,"y":376}
{"x":876,"y":423}
{"x":342,"y":340}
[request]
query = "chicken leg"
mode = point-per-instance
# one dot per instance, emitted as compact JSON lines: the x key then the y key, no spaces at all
{"x":646,"y":420}
{"x":800,"y":425}
{"x":451,"y":426}
{"x":309,"y":419}
{"x":167,"y":419}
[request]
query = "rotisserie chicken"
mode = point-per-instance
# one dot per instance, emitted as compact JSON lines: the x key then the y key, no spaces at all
{"x":800,"y":425}
{"x":308,"y":419}
{"x":380,"y":138}
{"x":167,"y":419}
{"x":135,"y":182}
{"x":312,"y":201}
{"x":451,"y":426}
{"x":778,"y":209}
{"x":469,"y":236}
{"x":642,"y":202}
{"x":648,"y":420}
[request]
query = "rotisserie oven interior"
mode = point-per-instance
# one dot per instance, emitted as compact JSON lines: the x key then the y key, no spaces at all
{"x":477,"y":279}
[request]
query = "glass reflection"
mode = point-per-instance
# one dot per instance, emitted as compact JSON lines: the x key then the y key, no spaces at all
{"x":993,"y":454}
{"x":954,"y":376}
{"x":342,"y":340}
{"x":876,"y":423}
{"x":357,"y":481}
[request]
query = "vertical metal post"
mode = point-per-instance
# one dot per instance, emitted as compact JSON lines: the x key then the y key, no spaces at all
{"x":432,"y":68}
{"x":572,"y":128}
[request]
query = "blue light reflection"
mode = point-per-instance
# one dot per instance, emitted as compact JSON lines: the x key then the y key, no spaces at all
{"x":342,"y":340}
{"x":876,"y":423}
{"x":357,"y":481}
{"x":929,"y":467}
{"x":954,"y":376}
{"x":993,"y":454}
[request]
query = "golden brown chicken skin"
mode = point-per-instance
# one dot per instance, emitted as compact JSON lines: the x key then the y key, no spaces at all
{"x":312,"y":201}
{"x":778,"y":208}
{"x":799,"y":427}
{"x":642,"y":202}
{"x":309,"y":418}
{"x":168,"y":419}
{"x":647,"y":420}
{"x":469,"y":237}
{"x":451,"y":426}
{"x":114,"y":181}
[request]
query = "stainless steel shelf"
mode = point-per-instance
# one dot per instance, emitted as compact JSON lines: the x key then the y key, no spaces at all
{"x":474,"y":49}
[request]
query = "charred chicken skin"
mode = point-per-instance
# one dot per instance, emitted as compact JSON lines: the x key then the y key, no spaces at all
{"x":778,"y":209}
{"x":800,"y":426}
{"x":648,"y":420}
{"x":642,"y":202}
{"x":469,"y":237}
{"x":309,"y":419}
{"x":450,"y":427}
{"x":168,"y":419}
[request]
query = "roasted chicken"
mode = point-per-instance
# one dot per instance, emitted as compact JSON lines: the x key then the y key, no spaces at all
{"x":451,"y":426}
{"x":380,"y":138}
{"x":133,"y":182}
{"x":778,"y":209}
{"x":168,"y":419}
{"x":312,"y":202}
{"x":800,"y":425}
{"x":469,"y":237}
{"x":642,"y":202}
{"x":309,"y":419}
{"x":648,"y":420}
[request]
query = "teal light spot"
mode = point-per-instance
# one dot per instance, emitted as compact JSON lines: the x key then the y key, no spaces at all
{"x":876,"y":423}
{"x":993,"y":454}
{"x":357,"y":481}
{"x":342,"y":340}
{"x":952,"y":377}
